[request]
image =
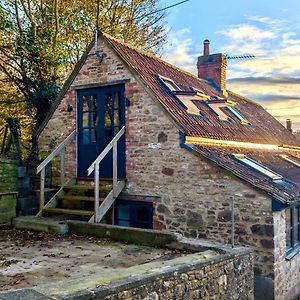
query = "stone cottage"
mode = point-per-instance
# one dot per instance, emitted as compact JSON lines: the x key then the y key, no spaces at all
{"x":186,"y":146}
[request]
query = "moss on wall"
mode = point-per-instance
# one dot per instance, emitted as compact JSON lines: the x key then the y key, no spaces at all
{"x":8,"y":176}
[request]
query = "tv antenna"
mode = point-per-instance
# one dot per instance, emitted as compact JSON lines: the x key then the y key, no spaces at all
{"x":240,"y":57}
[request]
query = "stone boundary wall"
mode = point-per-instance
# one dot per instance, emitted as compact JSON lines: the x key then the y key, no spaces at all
{"x":228,"y":275}
{"x":222,"y":278}
{"x":8,"y":175}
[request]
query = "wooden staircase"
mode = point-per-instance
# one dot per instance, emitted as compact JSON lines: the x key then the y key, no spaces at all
{"x":77,"y":200}
{"x":88,"y":198}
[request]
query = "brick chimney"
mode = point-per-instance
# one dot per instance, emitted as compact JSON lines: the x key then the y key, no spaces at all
{"x":212,"y":66}
{"x":289,"y":125}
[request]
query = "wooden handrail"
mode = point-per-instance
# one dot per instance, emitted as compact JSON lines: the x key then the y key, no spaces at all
{"x":95,"y":167}
{"x":57,"y":150}
{"x":60,"y":149}
{"x":106,"y":150}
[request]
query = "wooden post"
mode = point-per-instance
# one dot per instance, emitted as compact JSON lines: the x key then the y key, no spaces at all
{"x":42,"y":189}
{"x":62,"y":166}
{"x":96,"y":219}
{"x":115,"y":169}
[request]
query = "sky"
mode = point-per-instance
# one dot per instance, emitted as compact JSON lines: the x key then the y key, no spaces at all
{"x":268,"y":29}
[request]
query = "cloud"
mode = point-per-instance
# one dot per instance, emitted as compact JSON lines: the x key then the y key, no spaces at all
{"x":180,"y":50}
{"x":246,"y":32}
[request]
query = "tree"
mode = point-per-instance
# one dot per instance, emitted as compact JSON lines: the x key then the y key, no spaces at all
{"x":41,"y":41}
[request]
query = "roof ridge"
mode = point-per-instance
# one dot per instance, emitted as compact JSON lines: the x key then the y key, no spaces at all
{"x":153,"y":56}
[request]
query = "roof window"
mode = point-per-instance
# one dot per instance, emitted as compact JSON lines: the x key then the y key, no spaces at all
{"x":169,"y":83}
{"x":291,"y":160}
{"x":258,"y":167}
{"x":237,"y":114}
{"x":200,"y":93}
{"x":216,"y":106}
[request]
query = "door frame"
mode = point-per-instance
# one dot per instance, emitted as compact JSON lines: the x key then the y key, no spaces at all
{"x":77,"y":89}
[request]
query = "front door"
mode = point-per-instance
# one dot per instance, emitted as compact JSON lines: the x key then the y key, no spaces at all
{"x":101,"y":114}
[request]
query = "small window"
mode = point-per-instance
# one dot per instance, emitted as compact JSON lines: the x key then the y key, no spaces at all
{"x":169,"y":83}
{"x":291,"y":160}
{"x":257,"y":166}
{"x":200,"y":93}
{"x":137,"y":214}
{"x":216,"y":107}
{"x":292,"y":221}
{"x":237,"y":114}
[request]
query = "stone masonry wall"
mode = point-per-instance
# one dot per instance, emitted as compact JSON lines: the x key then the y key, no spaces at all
{"x":287,"y":272}
{"x":8,"y":175}
{"x":195,"y":194}
{"x":225,"y":278}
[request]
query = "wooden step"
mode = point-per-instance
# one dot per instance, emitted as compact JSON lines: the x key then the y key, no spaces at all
{"x":87,"y":187}
{"x":101,"y":179}
{"x":77,"y":198}
{"x":65,"y":211}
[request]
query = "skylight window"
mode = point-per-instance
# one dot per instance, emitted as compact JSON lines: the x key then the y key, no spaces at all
{"x":169,"y":83}
{"x":216,"y":107}
{"x":187,"y":101}
{"x":258,"y":167}
{"x":200,"y":93}
{"x":291,"y":160}
{"x":236,"y":113}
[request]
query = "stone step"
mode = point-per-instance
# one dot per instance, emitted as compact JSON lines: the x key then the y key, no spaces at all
{"x":40,"y":224}
{"x":67,"y":211}
{"x":77,"y":198}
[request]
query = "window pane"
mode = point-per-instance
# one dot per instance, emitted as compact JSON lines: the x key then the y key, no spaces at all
{"x":108,"y":118}
{"x":124,"y":211}
{"x":123,"y":223}
{"x":116,"y":101}
{"x":93,"y":136}
{"x":94,"y":119}
{"x":143,"y":214}
{"x":116,"y":117}
{"x":108,"y":135}
{"x":296,"y":225}
{"x":85,"y":120}
{"x":85,"y":103}
{"x":85,"y":136}
{"x":288,"y":227}
{"x":94,"y":102}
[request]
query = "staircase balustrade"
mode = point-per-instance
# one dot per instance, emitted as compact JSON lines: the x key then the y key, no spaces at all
{"x":60,"y":149}
{"x":101,"y":210}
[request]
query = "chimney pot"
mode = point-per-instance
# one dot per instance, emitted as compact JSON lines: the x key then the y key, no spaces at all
{"x":206,"y":47}
{"x":289,"y":125}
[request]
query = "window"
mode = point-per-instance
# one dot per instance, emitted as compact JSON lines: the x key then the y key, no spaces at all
{"x":216,"y":107}
{"x":200,"y":93}
{"x":237,"y":114}
{"x":291,"y":160}
{"x":257,"y":166}
{"x":292,"y":221}
{"x":169,"y":83}
{"x":134,"y":214}
{"x":187,"y":101}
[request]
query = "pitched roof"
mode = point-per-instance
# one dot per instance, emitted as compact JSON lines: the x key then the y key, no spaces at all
{"x":273,"y":160}
{"x":264,"y":128}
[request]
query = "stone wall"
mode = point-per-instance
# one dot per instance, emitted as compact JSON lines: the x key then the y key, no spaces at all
{"x":287,"y":272}
{"x":8,"y":175}
{"x":8,"y":205}
{"x":225,"y":276}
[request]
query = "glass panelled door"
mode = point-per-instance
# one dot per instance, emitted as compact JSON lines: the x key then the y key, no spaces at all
{"x":101,"y":114}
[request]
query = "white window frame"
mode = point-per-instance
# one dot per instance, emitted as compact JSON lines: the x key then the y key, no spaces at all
{"x":167,"y":80}
{"x":287,"y":158}
{"x":237,"y":114}
{"x":258,"y":167}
